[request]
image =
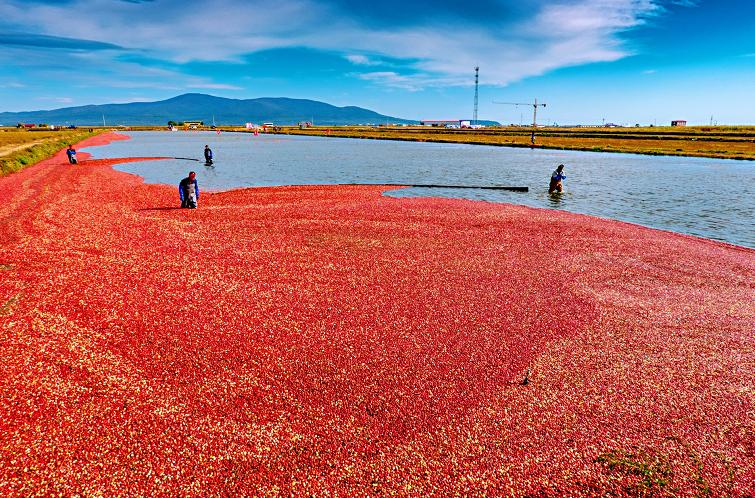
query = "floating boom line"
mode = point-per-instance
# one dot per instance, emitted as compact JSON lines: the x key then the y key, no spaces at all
{"x":434,"y":185}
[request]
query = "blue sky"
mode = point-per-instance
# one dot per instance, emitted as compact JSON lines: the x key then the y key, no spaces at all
{"x":622,"y":61}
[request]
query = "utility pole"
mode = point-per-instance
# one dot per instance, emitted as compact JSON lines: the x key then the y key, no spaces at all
{"x":534,"y":105}
{"x":476,"y":93}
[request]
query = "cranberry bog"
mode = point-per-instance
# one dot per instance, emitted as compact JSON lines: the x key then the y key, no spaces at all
{"x":729,"y":142}
{"x":329,"y":340}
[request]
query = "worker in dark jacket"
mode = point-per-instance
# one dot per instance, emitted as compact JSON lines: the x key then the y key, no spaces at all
{"x":207,"y":155}
{"x":188,"y":190}
{"x":71,"y":153}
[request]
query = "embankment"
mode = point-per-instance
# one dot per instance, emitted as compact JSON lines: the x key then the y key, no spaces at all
{"x":22,"y":155}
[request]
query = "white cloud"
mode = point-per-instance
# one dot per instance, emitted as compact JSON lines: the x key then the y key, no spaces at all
{"x":59,"y":100}
{"x":180,"y":30}
{"x":361,"y":60}
{"x":394,"y":80}
{"x":555,"y":35}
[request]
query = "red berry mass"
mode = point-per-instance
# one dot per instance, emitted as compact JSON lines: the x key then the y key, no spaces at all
{"x":329,"y":340}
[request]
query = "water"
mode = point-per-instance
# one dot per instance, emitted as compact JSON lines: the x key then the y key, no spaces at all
{"x":709,"y":198}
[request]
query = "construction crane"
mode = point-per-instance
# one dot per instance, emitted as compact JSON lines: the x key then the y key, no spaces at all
{"x":534,"y":105}
{"x":534,"y":108}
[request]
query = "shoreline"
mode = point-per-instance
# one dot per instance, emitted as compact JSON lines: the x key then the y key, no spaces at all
{"x":315,"y":339}
{"x":643,"y":141}
{"x":523,"y":146}
{"x":392,"y":187}
{"x":18,"y":156}
{"x":620,"y":141}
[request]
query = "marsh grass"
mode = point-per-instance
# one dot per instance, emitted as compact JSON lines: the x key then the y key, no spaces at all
{"x":24,"y":148}
{"x":718,"y":142}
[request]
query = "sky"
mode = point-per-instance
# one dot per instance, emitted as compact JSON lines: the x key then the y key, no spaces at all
{"x":589,"y":61}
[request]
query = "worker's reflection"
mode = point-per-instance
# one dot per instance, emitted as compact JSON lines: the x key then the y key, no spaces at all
{"x":555,"y":198}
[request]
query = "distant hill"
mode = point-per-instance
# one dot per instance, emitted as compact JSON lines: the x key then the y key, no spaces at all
{"x":201,"y":107}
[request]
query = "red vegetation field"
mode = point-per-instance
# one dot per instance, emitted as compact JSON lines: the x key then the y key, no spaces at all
{"x":329,"y":340}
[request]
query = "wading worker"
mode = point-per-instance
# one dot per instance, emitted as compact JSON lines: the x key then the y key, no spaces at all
{"x":71,"y":153}
{"x":188,"y":190}
{"x":207,"y":154}
{"x":556,"y":177}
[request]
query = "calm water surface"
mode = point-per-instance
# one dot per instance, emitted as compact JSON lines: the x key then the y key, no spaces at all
{"x":709,"y":198}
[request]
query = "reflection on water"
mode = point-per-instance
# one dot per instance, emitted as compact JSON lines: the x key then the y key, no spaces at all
{"x":705,"y":197}
{"x":555,"y":199}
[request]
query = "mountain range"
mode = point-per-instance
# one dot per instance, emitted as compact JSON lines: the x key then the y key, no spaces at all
{"x":206,"y":108}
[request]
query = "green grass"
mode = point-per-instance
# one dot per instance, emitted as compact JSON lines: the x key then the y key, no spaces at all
{"x":653,"y":473}
{"x":16,"y":161}
{"x":650,"y":471}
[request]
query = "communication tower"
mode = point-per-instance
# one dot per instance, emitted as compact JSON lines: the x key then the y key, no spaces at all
{"x":476,"y":93}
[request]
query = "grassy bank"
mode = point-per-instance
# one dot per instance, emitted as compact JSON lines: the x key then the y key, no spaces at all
{"x":724,"y":142}
{"x":714,"y":142}
{"x":19,"y":149}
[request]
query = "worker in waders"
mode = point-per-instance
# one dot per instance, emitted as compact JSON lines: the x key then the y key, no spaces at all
{"x":556,"y":178}
{"x":71,"y":153}
{"x":207,"y":155}
{"x":188,"y":190}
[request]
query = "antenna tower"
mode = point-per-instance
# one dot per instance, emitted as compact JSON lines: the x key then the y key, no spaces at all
{"x":476,"y":93}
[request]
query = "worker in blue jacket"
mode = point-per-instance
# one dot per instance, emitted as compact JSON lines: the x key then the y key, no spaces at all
{"x":556,"y":178}
{"x":188,"y":191}
{"x":71,"y":153}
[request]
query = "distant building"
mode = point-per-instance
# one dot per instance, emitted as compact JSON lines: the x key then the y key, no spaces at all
{"x":439,"y":122}
{"x":679,"y":122}
{"x":447,"y":123}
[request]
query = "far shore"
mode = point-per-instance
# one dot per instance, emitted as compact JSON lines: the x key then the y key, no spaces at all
{"x":711,"y":142}
{"x":719,"y":142}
